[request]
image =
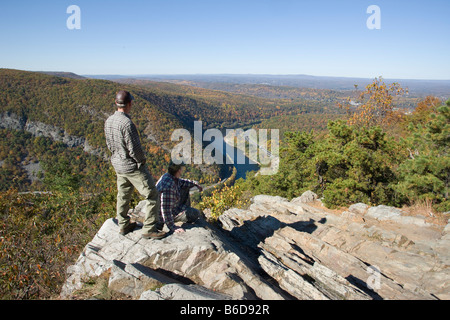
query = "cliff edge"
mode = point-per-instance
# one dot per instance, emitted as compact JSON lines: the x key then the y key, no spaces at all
{"x":277,"y":249}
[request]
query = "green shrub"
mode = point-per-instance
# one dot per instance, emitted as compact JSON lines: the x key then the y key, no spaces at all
{"x":349,"y":165}
{"x":224,"y":199}
{"x":426,"y":174}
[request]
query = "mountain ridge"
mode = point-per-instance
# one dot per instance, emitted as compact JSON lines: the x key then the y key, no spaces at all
{"x":422,"y":86}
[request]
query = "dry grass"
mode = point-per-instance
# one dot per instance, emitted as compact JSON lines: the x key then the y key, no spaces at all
{"x":425,"y":209}
{"x":97,"y":289}
{"x":422,"y":208}
{"x":318,"y":205}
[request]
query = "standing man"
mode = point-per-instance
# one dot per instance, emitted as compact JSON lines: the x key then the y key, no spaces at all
{"x":128,"y":160}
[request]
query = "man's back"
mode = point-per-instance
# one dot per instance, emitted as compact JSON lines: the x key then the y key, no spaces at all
{"x":123,"y":141}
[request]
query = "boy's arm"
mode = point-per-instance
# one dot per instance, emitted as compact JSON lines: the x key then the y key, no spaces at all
{"x":185,"y":183}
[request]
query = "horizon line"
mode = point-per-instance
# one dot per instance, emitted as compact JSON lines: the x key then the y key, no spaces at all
{"x":226,"y":74}
{"x":250,"y":74}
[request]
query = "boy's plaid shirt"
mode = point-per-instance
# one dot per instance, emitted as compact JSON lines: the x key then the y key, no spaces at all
{"x":169,"y":188}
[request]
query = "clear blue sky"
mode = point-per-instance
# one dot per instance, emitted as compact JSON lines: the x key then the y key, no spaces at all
{"x":322,"y":37}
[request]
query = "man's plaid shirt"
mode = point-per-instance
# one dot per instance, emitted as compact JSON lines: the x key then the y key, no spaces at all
{"x":122,"y":139}
{"x":169,"y":188}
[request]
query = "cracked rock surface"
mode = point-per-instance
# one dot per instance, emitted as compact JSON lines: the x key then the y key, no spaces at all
{"x":276,"y":249}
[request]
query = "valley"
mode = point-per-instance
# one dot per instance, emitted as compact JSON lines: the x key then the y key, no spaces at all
{"x":56,"y":178}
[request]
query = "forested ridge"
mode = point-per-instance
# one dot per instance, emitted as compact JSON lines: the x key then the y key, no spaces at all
{"x":77,"y":106}
{"x":80,"y":108}
{"x":221,"y":109}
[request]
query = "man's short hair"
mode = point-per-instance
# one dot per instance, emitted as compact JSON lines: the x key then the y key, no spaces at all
{"x":123,"y":98}
{"x":174,"y":168}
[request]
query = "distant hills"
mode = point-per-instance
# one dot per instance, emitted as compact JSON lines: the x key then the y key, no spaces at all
{"x":249,"y":83}
{"x":62,"y":74}
{"x":440,"y":88}
{"x":78,"y":106}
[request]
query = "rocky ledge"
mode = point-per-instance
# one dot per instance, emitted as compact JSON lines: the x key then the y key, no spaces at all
{"x":277,"y":249}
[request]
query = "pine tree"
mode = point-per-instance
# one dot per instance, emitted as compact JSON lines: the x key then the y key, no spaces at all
{"x":426,"y":175}
{"x":360,"y":164}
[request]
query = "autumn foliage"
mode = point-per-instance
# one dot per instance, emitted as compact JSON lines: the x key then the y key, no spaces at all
{"x":362,"y":162}
{"x":373,"y":106}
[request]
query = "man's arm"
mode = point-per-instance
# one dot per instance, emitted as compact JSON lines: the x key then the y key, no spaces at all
{"x":133,"y":144}
{"x":108,"y":135}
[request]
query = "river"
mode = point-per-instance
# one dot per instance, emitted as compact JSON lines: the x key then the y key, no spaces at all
{"x":233,"y":153}
{"x":244,"y":168}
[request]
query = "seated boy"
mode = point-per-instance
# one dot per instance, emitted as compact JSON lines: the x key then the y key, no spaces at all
{"x":175,"y":201}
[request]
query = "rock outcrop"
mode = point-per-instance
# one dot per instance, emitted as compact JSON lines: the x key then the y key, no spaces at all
{"x":39,"y":129}
{"x":198,"y":256}
{"x":277,"y":249}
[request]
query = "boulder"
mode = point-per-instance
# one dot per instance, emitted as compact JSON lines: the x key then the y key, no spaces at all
{"x":447,"y":228}
{"x":306,"y":197}
{"x":383,"y":213}
{"x":271,"y":199}
{"x":359,"y":208}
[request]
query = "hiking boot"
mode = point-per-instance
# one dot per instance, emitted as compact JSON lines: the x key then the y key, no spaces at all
{"x":159,"y":226}
{"x":154,"y":235}
{"x":128,"y":229}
